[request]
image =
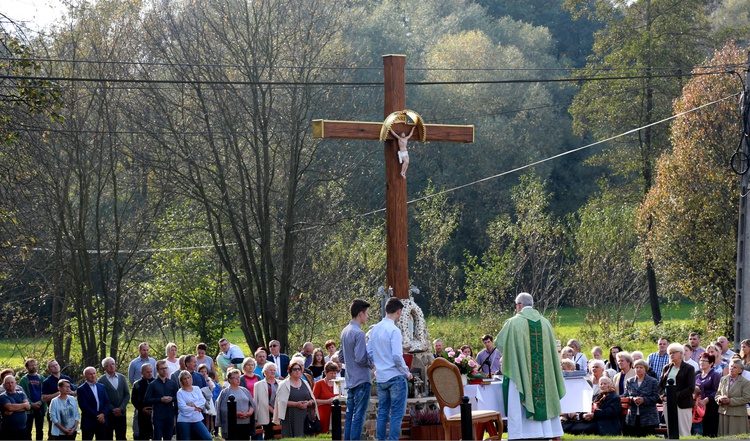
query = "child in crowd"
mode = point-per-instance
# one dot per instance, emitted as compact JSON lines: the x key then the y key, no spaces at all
{"x":597,"y":352}
{"x":698,"y":411}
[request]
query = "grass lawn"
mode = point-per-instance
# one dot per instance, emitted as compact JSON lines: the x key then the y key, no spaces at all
{"x":455,"y":331}
{"x":567,"y":323}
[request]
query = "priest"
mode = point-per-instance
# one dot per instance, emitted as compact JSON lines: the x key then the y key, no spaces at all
{"x":533,"y":382}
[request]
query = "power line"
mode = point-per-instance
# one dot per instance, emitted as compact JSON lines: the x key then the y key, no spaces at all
{"x":478,"y":181}
{"x":367,"y":68}
{"x":535,"y":163}
{"x":37,"y":129}
{"x":355,"y":83}
{"x":560,"y":155}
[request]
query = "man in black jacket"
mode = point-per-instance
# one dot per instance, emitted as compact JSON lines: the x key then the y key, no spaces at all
{"x":138,"y":398}
{"x":161,"y":395}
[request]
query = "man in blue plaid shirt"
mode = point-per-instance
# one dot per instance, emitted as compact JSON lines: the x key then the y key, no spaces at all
{"x":658,"y":360}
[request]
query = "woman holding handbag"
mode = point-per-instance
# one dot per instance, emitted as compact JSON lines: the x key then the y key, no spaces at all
{"x":295,"y":403}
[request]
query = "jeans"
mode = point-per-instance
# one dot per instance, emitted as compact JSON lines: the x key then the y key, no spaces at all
{"x":356,"y":407}
{"x":196,"y":430}
{"x":163,"y":429}
{"x":391,"y":400}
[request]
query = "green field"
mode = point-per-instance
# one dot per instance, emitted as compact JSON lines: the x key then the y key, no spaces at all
{"x":455,"y":331}
{"x":568,"y":323}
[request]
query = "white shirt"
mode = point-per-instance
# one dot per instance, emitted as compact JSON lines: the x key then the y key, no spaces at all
{"x":188,"y":414}
{"x":172,"y":367}
{"x":113,"y":380}
{"x":385,"y":350}
{"x":95,"y":392}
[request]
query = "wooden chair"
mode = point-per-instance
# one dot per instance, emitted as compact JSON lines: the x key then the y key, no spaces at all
{"x":445,"y":381}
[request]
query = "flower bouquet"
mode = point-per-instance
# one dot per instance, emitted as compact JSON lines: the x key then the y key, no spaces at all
{"x":465,"y":364}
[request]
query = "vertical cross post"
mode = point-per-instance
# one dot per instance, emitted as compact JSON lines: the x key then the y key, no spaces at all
{"x":397,"y":268}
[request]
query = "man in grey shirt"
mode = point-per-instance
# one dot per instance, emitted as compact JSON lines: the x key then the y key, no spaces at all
{"x":353,"y":353}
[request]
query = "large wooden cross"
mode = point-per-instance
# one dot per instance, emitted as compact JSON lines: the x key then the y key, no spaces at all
{"x":397,"y":272}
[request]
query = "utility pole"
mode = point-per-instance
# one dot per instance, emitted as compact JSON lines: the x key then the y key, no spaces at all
{"x":742,"y":300}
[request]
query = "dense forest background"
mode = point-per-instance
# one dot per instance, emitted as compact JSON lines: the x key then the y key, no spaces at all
{"x":158,"y":173}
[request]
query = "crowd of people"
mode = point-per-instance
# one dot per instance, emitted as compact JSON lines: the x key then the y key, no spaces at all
{"x":712,"y":388}
{"x":184,"y":395}
{"x":180,"y":395}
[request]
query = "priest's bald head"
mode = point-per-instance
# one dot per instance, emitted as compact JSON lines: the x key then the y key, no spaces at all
{"x":523,"y":300}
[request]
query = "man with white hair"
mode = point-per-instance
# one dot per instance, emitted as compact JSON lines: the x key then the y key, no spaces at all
{"x":94,"y":404}
{"x":534,"y":389}
{"x":118,"y":394}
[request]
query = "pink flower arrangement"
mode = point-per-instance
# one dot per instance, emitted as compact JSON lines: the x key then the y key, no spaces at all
{"x":466,"y":365}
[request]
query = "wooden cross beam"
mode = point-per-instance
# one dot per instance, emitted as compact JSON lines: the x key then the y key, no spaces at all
{"x":397,"y":272}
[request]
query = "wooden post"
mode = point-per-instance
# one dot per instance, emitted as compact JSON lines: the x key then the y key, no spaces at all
{"x":742,"y":298}
{"x":397,"y":257}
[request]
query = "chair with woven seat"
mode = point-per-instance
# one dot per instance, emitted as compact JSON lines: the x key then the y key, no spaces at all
{"x":445,"y":381}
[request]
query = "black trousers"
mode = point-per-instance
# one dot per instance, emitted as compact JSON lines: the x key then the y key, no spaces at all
{"x":35,"y":418}
{"x":117,"y":425}
{"x":145,"y":429}
{"x":13,"y":434}
{"x":99,"y":431}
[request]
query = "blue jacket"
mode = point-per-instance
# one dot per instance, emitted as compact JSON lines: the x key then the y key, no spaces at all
{"x":649,"y":391}
{"x":87,"y":403}
{"x":154,"y":393}
{"x":282,"y":364}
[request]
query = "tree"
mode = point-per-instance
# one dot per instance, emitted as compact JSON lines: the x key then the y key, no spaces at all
{"x":731,"y":21}
{"x":22,"y":96}
{"x":85,"y":202}
{"x":435,"y":277}
{"x":574,"y":38}
{"x":24,"y":101}
{"x":639,"y":40}
{"x":526,"y":253}
{"x":693,"y":203}
{"x":185,"y":287}
{"x":349,"y":263}
{"x":606,"y":277}
{"x":243,"y":152}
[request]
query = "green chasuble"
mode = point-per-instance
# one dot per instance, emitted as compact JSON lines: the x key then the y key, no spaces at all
{"x":530,"y":359}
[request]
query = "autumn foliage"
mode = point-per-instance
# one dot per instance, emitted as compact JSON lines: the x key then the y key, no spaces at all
{"x":693,"y":203}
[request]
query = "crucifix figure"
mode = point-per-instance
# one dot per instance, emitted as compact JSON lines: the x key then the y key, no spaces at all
{"x":403,"y":153}
{"x":397,"y":273}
